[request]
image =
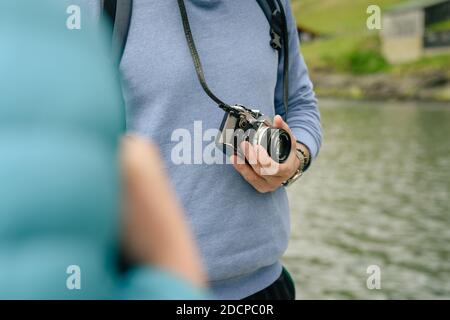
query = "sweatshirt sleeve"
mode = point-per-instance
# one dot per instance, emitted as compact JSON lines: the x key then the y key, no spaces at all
{"x":303,"y":113}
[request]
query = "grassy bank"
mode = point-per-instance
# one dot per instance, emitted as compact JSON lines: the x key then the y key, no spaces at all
{"x":347,"y":47}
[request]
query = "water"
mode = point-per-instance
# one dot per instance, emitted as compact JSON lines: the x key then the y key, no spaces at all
{"x":379,"y":194}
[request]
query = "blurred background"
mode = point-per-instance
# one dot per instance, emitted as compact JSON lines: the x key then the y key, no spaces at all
{"x":379,"y":193}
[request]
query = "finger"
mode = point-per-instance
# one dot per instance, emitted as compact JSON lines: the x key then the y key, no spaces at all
{"x":250,"y":154}
{"x":238,"y":158}
{"x":263,"y":157}
{"x":251,"y":177}
{"x":269,"y":167}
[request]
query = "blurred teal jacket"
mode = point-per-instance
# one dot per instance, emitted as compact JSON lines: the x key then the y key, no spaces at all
{"x":61,"y":116}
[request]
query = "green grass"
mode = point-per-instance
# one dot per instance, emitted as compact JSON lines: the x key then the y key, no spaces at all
{"x":439,"y":62}
{"x":440,"y":26}
{"x":347,"y":45}
{"x":337,"y":17}
{"x":358,"y":54}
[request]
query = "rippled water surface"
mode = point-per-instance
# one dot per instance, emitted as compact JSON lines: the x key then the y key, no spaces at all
{"x":379,"y":194}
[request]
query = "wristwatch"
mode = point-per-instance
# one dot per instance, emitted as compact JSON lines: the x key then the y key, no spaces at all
{"x":303,"y":154}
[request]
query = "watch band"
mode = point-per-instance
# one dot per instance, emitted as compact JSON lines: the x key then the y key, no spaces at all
{"x":306,"y":158}
{"x":304,"y":163}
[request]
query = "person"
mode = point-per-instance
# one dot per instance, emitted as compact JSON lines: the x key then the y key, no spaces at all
{"x":75,"y":192}
{"x":238,"y":213}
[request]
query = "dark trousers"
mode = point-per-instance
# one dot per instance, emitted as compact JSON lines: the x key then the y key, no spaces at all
{"x":282,"y":289}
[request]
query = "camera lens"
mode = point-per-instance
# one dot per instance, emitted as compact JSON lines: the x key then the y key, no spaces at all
{"x":278,"y":144}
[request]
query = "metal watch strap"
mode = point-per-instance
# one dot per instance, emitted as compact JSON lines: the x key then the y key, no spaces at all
{"x":304,"y":162}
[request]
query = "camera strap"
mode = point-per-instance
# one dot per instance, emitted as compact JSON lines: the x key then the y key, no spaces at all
{"x":277,"y":13}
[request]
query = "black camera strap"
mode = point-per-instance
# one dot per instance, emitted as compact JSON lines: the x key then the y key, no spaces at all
{"x":196,"y":58}
{"x":276,"y":14}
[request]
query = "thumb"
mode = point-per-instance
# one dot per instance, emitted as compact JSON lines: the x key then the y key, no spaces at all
{"x":279,"y":123}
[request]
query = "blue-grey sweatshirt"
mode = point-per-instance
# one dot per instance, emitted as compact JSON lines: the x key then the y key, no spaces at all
{"x":242,"y":234}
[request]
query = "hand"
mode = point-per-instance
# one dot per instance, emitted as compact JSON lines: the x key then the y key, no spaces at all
{"x":154,"y":228}
{"x":261,"y":171}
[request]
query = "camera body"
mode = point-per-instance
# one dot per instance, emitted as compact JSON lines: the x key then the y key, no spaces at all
{"x":243,"y":124}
